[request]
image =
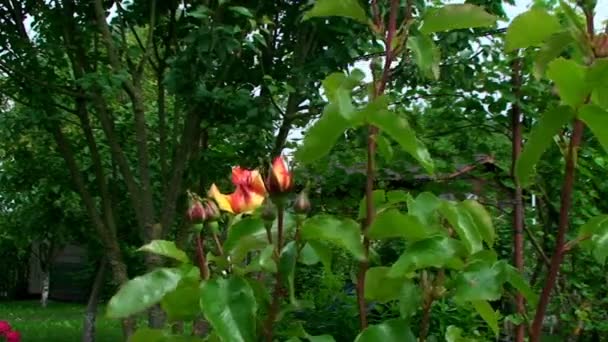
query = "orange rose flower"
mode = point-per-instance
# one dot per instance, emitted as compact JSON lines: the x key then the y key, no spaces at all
{"x":279,"y":178}
{"x":249,"y":194}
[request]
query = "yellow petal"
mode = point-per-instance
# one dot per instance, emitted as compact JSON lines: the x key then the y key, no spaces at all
{"x":257,"y":183}
{"x":223,"y":201}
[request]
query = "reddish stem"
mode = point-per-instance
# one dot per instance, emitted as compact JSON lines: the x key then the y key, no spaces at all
{"x":566,"y":202}
{"x":518,"y":205}
{"x":202,"y":259}
{"x":273,"y":311}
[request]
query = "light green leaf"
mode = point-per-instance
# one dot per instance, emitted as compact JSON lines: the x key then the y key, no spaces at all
{"x":530,"y":29}
{"x":596,"y":231}
{"x":391,"y":224}
{"x":539,"y":140}
{"x":244,"y":11}
{"x":323,"y":135}
{"x":397,"y":196}
{"x":456,"y":16}
{"x":324,"y":253}
{"x":596,"y":79}
{"x":570,"y":79}
{"x":308,"y":256}
{"x":384,"y":147}
{"x":392,"y":330}
{"x":182,"y":303}
{"x":484,"y":309}
{"x":426,"y":55}
{"x":230,"y":307}
{"x":463,"y":224}
{"x":140,"y":293}
{"x":397,"y":128}
{"x":425,"y":206}
{"x":344,"y":8}
{"x":379,"y":287}
{"x":249,"y":234}
{"x":597,"y":120}
{"x":479,"y":281}
{"x":482,"y":220}
{"x":378,"y":197}
{"x":165,"y":248}
{"x":410,"y":299}
{"x":344,"y":233}
{"x":438,"y":251}
{"x":554,"y":46}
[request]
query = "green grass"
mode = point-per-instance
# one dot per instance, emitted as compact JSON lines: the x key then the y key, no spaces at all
{"x":61,"y":322}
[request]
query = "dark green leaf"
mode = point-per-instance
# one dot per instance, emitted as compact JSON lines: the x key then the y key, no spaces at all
{"x":244,"y":11}
{"x":165,"y":248}
{"x":426,"y":55}
{"x":230,"y":307}
{"x":344,"y":233}
{"x":391,"y":223}
{"x":287,"y":266}
{"x":570,"y":80}
{"x":530,"y":29}
{"x":463,"y":224}
{"x":343,"y":8}
{"x":539,"y":140}
{"x":182,"y":303}
{"x":597,"y":120}
{"x":438,"y":251}
{"x":398,"y":129}
{"x":410,"y":299}
{"x":484,"y":309}
{"x":482,"y":220}
{"x":554,"y":46}
{"x":142,"y":292}
{"x":324,"y":253}
{"x":392,"y":330}
{"x":379,"y":287}
{"x":479,"y":281}
{"x":456,"y":16}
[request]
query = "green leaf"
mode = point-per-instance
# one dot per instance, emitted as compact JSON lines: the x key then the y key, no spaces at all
{"x":554,"y":46}
{"x":482,"y":220}
{"x":597,"y":120}
{"x":397,"y":196}
{"x":264,"y":261}
{"x":308,"y":256}
{"x":517,"y":281}
{"x":147,"y":335}
{"x":378,"y":197}
{"x":391,"y":223}
{"x":343,"y":8}
{"x":140,"y":293}
{"x":244,"y":11}
{"x":398,"y":129}
{"x":426,"y":55}
{"x":344,"y":233}
{"x":392,"y":330}
{"x":384,"y":147}
{"x":596,"y":231}
{"x":530,"y":29}
{"x":245,"y":227}
{"x":438,"y":251}
{"x":182,"y":303}
{"x":165,"y":248}
{"x":321,"y":338}
{"x":484,"y":309}
{"x":230,"y":307}
{"x":570,"y":79}
{"x":379,"y":287}
{"x":410,"y":299}
{"x":539,"y":140}
{"x":463,"y":224}
{"x":324,"y":253}
{"x":425,"y":206}
{"x":323,"y":135}
{"x":479,"y":281}
{"x":249,"y":234}
{"x":287,"y":266}
{"x":456,"y":16}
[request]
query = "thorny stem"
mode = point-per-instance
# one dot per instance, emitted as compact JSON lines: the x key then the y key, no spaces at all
{"x":202,"y":259}
{"x":566,"y":202}
{"x":278,"y":288}
{"x":371,"y":152}
{"x":518,"y":205}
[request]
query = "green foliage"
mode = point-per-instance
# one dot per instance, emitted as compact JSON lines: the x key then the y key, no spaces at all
{"x":389,"y":331}
{"x":426,"y":54}
{"x":328,"y":8}
{"x":343,"y":233}
{"x":569,"y":78}
{"x":455,"y":16}
{"x":165,"y":248}
{"x":530,"y":29}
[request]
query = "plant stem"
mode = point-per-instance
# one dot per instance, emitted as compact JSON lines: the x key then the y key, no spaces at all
{"x":218,"y":244}
{"x":518,"y":205}
{"x":566,"y":203}
{"x":278,"y":293}
{"x":202,"y":259}
{"x":558,"y":254}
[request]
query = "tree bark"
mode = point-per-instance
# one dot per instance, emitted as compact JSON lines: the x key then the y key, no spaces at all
{"x":88,"y":331}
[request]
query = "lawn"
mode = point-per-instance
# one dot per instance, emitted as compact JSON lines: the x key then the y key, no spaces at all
{"x":61,"y":322}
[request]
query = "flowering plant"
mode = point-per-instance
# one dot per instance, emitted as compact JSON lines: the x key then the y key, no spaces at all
{"x":8,"y":333}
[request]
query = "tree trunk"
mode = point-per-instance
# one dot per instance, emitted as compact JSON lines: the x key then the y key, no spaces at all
{"x":88,"y":331}
{"x":46,"y":280}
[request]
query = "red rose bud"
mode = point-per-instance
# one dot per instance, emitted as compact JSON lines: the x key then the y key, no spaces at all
{"x":269,"y":211}
{"x":212,"y":212}
{"x":4,"y":327}
{"x":302,"y":203}
{"x":196,"y":213}
{"x":13,"y":336}
{"x":279,"y":178}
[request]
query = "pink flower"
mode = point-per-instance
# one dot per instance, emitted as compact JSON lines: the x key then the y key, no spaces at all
{"x":4,"y":328}
{"x":13,"y":336}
